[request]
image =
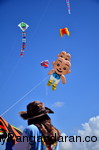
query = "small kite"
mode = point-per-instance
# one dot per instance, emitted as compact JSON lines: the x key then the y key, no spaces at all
{"x":45,"y":63}
{"x":23,"y":26}
{"x":64,"y":31}
{"x":68,"y":5}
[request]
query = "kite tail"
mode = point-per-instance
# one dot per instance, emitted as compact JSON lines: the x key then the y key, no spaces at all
{"x":23,"y":43}
{"x":68,"y":6}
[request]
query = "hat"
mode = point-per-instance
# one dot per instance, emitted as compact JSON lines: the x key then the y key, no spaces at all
{"x":34,"y":110}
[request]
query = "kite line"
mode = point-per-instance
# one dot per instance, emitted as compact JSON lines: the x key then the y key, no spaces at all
{"x":10,"y":75}
{"x":23,"y":97}
{"x":22,"y":52}
{"x":42,"y":16}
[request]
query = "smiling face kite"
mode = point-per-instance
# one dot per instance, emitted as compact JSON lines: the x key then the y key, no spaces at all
{"x":65,"y":55}
{"x":61,"y":67}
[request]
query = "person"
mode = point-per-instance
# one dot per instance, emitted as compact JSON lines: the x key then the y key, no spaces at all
{"x":9,"y":143}
{"x":40,"y":134}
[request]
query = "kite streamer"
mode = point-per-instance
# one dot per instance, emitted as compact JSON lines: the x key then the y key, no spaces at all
{"x":23,"y":43}
{"x":68,"y":5}
{"x":23,"y":26}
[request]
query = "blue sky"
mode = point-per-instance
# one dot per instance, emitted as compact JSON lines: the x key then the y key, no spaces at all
{"x":79,"y":98}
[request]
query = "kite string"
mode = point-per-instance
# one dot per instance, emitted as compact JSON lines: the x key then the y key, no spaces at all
{"x":42,"y":80}
{"x":46,"y":88}
{"x":10,"y":75}
{"x":23,"y":97}
{"x":42,"y":16}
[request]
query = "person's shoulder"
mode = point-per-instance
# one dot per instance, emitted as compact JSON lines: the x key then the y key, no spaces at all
{"x":32,"y":130}
{"x":31,"y":127}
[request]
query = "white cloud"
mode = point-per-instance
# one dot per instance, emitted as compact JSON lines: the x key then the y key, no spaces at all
{"x":58,"y":104}
{"x":65,"y":145}
{"x":89,"y":129}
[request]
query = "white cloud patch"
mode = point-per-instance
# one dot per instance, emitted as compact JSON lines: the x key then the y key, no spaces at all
{"x":58,"y":104}
{"x":65,"y":145}
{"x":89,"y":129}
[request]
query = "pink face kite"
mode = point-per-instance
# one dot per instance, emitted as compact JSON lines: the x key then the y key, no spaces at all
{"x":62,"y":66}
{"x":65,"y":55}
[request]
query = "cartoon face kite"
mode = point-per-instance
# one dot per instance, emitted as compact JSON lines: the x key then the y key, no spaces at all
{"x":64,"y":31}
{"x":23,"y":26}
{"x":65,"y":55}
{"x":61,"y":67}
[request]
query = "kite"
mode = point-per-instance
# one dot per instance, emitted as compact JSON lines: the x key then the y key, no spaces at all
{"x":64,"y":55}
{"x":61,"y":67}
{"x":3,"y":134}
{"x":23,"y":26}
{"x":6,"y":128}
{"x":45,"y":63}
{"x":64,"y":31}
{"x":68,"y":5}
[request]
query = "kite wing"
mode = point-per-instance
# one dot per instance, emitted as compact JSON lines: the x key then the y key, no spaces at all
{"x":64,"y":31}
{"x":6,"y":127}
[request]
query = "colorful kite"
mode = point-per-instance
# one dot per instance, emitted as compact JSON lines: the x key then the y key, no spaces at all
{"x":61,"y":67}
{"x":3,"y":134}
{"x":23,"y":26}
{"x":6,"y":128}
{"x":45,"y":63}
{"x":64,"y":31}
{"x":68,"y":5}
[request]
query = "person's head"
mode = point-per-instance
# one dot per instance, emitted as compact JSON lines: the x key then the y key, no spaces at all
{"x":43,"y":119}
{"x":61,"y":66}
{"x":37,"y":114}
{"x":35,"y":109}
